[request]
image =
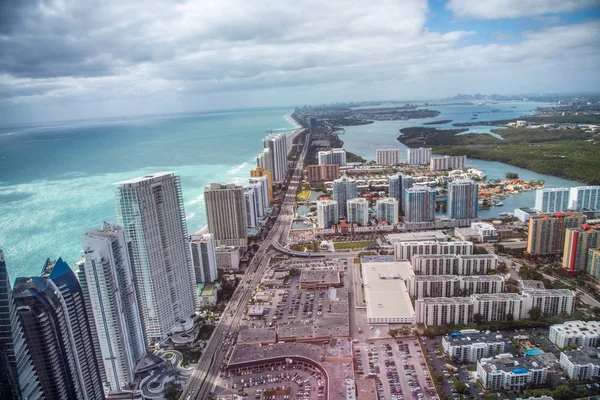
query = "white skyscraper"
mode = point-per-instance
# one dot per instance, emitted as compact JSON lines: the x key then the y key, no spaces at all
{"x":263,"y":181}
{"x":250,"y":197}
{"x":109,"y":276}
{"x":276,"y":143}
{"x":327,"y":213}
{"x":552,"y":199}
{"x":420,"y":156}
{"x":387,"y":210}
{"x":358,"y":211}
{"x":344,"y":189}
{"x":387,"y":156}
{"x":151,"y":210}
{"x":204,"y":257}
{"x":333,"y":156}
{"x":419,"y":204}
{"x":226,"y":214}
{"x":584,"y":198}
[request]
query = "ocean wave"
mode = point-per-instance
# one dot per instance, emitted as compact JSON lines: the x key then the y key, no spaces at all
{"x":197,"y":199}
{"x":237,"y":168}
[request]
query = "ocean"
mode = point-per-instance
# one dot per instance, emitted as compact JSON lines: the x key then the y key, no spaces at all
{"x":57,"y":180}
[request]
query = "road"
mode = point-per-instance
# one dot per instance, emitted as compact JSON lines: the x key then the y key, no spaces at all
{"x":203,"y":379}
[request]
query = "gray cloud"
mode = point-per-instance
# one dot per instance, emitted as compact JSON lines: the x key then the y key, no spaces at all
{"x":207,"y":53}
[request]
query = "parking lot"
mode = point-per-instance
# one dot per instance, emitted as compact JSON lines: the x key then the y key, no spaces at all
{"x":398,"y":367}
{"x":278,"y":381}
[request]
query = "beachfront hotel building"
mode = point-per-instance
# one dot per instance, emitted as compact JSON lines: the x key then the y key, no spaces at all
{"x":150,"y":208}
{"x":327,"y":213}
{"x":420,"y":156}
{"x":259,"y":172}
{"x":261,"y":186}
{"x":274,"y":156}
{"x":333,"y":156}
{"x":387,"y":156}
{"x":581,"y":333}
{"x":387,"y":210}
{"x":419,"y":204}
{"x":447,"y":163}
{"x":253,"y":205}
{"x":546,"y":232}
{"x":17,"y":373}
{"x":57,"y":328}
{"x":226,"y":214}
{"x":204,"y":257}
{"x":397,"y":185}
{"x":584,"y":198}
{"x":550,"y":200}
{"x":323,"y":173}
{"x":107,"y":270}
{"x":462,"y":199}
{"x":358,"y":211}
{"x":578,"y":242}
{"x":344,"y":189}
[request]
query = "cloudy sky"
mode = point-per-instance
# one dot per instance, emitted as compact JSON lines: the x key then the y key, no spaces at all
{"x":66,"y":59}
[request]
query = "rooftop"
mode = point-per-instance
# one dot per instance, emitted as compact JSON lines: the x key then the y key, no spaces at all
{"x":579,"y":328}
{"x":366,"y":389}
{"x":459,"y":338}
{"x":259,"y":335}
{"x":586,"y":355}
{"x":385,"y":291}
{"x":438,"y":236}
{"x":447,"y":300}
{"x":496,"y":296}
{"x":429,"y":278}
{"x":517,"y":365}
{"x":320,"y":276}
{"x":145,"y":178}
{"x":484,"y":278}
{"x":548,"y":292}
{"x":532,"y":284}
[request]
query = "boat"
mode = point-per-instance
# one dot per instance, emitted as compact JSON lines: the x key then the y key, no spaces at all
{"x":506,"y":214}
{"x":499,"y":204}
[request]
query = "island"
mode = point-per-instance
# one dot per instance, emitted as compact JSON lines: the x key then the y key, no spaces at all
{"x":438,"y":122}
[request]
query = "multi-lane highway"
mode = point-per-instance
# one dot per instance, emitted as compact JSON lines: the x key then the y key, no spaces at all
{"x":202,"y":381}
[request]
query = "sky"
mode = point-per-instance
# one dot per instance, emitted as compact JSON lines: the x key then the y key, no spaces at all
{"x":64,"y":59}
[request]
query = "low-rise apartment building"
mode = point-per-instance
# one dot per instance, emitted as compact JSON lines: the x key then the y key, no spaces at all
{"x":508,"y":373}
{"x":581,"y":365}
{"x":581,"y":333}
{"x":470,"y":345}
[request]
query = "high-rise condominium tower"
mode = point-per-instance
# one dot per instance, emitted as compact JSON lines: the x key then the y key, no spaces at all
{"x":462,"y":199}
{"x":58,"y":333}
{"x":420,"y":156}
{"x":552,"y":199}
{"x":274,"y":156}
{"x":344,"y":189}
{"x":108,"y":274}
{"x":387,"y":156}
{"x":18,"y":377}
{"x":204,"y":257}
{"x":419,"y":204}
{"x":226,"y":214}
{"x":387,"y":210}
{"x":397,"y":185}
{"x":151,"y":210}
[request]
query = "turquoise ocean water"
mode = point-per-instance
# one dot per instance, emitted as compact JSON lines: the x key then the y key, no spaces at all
{"x":57,"y":180}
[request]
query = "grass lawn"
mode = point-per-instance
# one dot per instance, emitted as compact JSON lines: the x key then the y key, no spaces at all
{"x":354,"y":245}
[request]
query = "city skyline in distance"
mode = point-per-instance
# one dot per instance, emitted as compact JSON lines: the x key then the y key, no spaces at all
{"x":112,"y":60}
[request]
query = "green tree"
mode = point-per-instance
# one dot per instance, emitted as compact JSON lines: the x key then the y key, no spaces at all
{"x":510,"y":317}
{"x":502,"y":268}
{"x":511,"y":175}
{"x":393,"y":333}
{"x":535,"y":313}
{"x":171,"y":392}
{"x":572,"y":347}
{"x":477,"y":318}
{"x":596,"y":310}
{"x":459,"y":386}
{"x":563,"y":392}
